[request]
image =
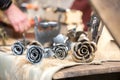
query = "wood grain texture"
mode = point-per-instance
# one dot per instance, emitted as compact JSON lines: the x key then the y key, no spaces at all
{"x":83,"y":70}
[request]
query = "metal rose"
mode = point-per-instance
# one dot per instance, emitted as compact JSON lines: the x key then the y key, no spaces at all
{"x":84,"y":51}
{"x":35,"y":53}
{"x":60,"y":51}
{"x":18,"y":48}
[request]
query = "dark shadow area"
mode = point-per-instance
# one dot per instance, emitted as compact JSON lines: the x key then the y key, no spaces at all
{"x":110,"y":76}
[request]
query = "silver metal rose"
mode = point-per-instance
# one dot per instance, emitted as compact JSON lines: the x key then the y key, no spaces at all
{"x":35,"y":54}
{"x":18,"y":48}
{"x":60,"y":51}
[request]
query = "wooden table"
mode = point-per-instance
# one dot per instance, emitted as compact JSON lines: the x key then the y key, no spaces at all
{"x":87,"y":70}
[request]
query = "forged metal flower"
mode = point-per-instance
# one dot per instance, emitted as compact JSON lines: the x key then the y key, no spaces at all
{"x":60,"y":51}
{"x":35,"y":54}
{"x":18,"y":48}
{"x":84,"y":51}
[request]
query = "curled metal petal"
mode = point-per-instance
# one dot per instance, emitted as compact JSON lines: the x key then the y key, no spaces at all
{"x":35,"y":54}
{"x":84,"y":51}
{"x":82,"y":38}
{"x":60,"y":51}
{"x":74,"y":35}
{"x":60,"y":39}
{"x":18,"y":48}
{"x":36,"y":43}
{"x":93,"y":45}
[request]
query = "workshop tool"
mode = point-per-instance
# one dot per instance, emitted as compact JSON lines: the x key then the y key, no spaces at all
{"x":83,"y":50}
{"x":44,"y":35}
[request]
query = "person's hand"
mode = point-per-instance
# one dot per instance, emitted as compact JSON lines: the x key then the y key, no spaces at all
{"x":17,"y":18}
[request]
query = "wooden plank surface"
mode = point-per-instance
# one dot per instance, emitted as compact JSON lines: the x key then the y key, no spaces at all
{"x":109,"y":11}
{"x":83,"y":70}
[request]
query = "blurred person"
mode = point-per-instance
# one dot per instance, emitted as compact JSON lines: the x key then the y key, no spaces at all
{"x":16,"y":17}
{"x":84,"y":6}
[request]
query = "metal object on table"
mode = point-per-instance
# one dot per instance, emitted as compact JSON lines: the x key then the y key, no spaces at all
{"x":94,"y":28}
{"x":74,"y":35}
{"x":19,"y":47}
{"x":60,"y":51}
{"x":44,"y":35}
{"x":62,"y":39}
{"x":61,"y":46}
{"x":35,"y":54}
{"x":83,"y":50}
{"x":34,"y":50}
